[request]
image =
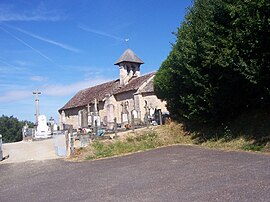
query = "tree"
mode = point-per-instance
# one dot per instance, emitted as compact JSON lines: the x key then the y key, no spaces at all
{"x":11,"y":128}
{"x":219,"y":65}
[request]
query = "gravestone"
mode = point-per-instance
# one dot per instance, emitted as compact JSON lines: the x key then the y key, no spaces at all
{"x":83,"y":118}
{"x":135,"y":114}
{"x":147,"y":114}
{"x":124,"y":114}
{"x":110,"y":108}
{"x":43,"y":131}
{"x":110,"y":116}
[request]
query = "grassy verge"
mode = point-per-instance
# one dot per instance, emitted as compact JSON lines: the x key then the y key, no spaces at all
{"x":139,"y":141}
{"x":164,"y":136}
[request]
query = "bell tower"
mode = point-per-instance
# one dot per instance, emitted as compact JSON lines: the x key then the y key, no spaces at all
{"x":129,"y":65}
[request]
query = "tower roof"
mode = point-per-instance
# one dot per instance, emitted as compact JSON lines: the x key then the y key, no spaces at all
{"x":129,"y":56}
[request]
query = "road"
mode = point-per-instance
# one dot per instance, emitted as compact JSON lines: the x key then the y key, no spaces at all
{"x":177,"y":173}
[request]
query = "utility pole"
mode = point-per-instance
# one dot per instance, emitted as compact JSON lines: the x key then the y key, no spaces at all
{"x":37,"y":112}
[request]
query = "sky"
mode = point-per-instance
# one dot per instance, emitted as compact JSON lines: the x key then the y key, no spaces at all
{"x":59,"y":47}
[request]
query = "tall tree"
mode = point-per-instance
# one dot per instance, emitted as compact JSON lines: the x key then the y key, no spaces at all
{"x":219,"y":65}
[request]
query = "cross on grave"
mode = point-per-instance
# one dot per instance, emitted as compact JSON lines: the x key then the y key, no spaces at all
{"x":146,"y":108}
{"x":95,"y":107}
{"x":88,"y":108}
{"x":124,"y":107}
{"x":124,"y":112}
{"x":147,"y":113}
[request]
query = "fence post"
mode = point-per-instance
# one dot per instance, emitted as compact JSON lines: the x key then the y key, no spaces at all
{"x":132,"y":122}
{"x":96,"y":128}
{"x":70,"y":142}
{"x":147,"y":121}
{"x":160,"y":117}
{"x":115,"y":126}
{"x":1,"y":152}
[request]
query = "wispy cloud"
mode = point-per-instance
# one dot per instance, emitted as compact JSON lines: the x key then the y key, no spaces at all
{"x":88,"y":72}
{"x":63,"y":90}
{"x":6,"y":67}
{"x":9,"y":13}
{"x":38,"y":78}
{"x":24,"y":63}
{"x":61,"y":45}
{"x":101,"y":33}
{"x":6,"y":63}
{"x":15,"y":95}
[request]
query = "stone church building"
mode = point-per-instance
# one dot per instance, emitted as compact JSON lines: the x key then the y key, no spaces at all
{"x":132,"y":95}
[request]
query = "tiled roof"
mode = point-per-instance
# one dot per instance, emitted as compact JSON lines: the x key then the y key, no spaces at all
{"x":149,"y":87}
{"x":134,"y":83}
{"x":129,"y":56}
{"x":86,"y":96}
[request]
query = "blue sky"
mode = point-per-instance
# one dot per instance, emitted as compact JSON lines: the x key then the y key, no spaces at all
{"x":62,"y":46}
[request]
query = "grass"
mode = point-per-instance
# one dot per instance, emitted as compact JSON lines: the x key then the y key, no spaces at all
{"x":247,"y":133}
{"x":133,"y":142}
{"x":253,"y":147}
{"x":138,"y":142}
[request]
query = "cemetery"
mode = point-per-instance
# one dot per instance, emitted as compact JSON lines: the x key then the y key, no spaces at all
{"x":131,"y":98}
{"x":102,"y":111}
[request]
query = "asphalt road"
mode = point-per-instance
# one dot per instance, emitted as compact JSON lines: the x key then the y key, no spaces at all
{"x":178,"y":173}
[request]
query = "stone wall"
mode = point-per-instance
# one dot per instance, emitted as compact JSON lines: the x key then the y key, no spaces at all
{"x":134,"y":99}
{"x":127,"y":97}
{"x":154,"y":102}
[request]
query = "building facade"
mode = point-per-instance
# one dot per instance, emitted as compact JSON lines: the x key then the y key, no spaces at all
{"x":132,"y":95}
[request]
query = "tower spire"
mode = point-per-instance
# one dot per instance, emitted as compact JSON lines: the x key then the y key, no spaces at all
{"x":129,"y":66}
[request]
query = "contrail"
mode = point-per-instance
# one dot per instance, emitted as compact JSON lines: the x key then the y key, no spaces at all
{"x":61,"y":45}
{"x":26,"y":44}
{"x":85,"y":28}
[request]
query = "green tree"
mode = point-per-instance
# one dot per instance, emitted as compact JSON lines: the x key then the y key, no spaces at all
{"x":11,"y":128}
{"x":219,"y":65}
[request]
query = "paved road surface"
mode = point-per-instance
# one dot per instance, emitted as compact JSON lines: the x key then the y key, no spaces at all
{"x":178,"y":173}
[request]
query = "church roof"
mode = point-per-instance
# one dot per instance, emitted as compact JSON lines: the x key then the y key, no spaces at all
{"x":129,"y":56}
{"x":88,"y":95}
{"x":149,"y":87}
{"x":134,"y":83}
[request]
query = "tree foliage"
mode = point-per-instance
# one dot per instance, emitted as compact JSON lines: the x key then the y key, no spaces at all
{"x":11,"y":128}
{"x":219,"y":65}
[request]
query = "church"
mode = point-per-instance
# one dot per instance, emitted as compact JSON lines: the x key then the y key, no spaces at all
{"x":130,"y":96}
